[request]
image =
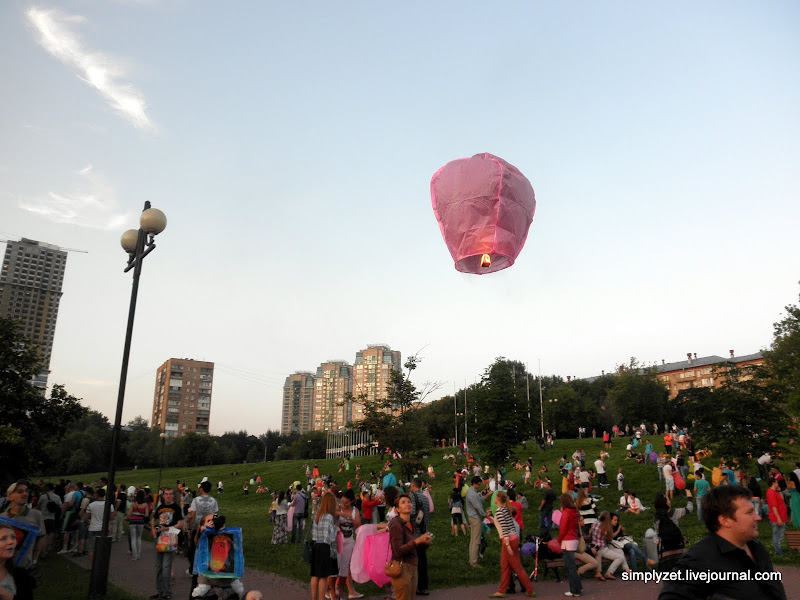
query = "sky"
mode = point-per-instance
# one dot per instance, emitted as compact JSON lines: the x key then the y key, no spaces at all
{"x":291,"y":147}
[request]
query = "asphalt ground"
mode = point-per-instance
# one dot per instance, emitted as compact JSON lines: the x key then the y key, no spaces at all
{"x":139,"y":578}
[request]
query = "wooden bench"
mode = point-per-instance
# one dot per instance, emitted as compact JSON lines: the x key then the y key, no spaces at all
{"x":793,"y":539}
{"x":548,"y":564}
{"x":556,"y":563}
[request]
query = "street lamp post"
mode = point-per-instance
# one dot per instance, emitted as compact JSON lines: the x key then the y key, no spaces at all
{"x":137,"y":244}
{"x":163,"y":437}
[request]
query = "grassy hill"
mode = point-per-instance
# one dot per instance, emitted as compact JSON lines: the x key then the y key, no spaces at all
{"x":448,"y":557}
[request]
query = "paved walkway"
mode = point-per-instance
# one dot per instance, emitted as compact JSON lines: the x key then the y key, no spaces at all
{"x":139,"y":578}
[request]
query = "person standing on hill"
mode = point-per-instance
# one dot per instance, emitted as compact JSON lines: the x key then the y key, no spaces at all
{"x":777,"y":514}
{"x":475,"y":516}
{"x":546,"y":509}
{"x":419,"y":505}
{"x":700,"y":490}
{"x":299,"y":502}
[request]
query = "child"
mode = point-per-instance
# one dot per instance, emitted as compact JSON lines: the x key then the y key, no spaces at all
{"x":620,"y":479}
{"x":204,"y":583}
{"x":456,"y":512}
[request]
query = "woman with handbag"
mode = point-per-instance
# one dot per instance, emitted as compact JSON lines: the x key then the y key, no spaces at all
{"x":509,"y":553}
{"x":568,"y":540}
{"x":602,"y":548}
{"x":403,"y":566}
{"x":324,"y":568}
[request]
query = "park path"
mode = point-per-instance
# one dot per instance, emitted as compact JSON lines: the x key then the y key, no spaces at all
{"x":139,"y":577}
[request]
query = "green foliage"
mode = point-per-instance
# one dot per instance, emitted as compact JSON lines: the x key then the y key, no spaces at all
{"x":783,"y":358}
{"x":638,"y":396}
{"x":251,"y":512}
{"x":741,"y":419}
{"x":29,"y":421}
{"x":501,"y":403}
{"x":309,"y":446}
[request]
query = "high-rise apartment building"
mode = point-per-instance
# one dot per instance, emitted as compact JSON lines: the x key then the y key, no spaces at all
{"x":30,"y":291}
{"x":182,"y":400}
{"x":372,"y":374}
{"x":298,"y":403}
{"x":332,"y":385}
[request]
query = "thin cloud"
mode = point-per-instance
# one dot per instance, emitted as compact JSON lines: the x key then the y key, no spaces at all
{"x":101,"y":72}
{"x":91,"y":203}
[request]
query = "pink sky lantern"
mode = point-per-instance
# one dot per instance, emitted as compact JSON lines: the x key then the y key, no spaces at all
{"x":484,"y":207}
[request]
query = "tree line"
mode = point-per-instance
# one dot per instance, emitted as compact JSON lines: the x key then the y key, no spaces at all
{"x":754,"y":409}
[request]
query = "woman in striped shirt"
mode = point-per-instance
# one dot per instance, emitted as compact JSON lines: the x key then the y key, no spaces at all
{"x":509,"y":554}
{"x":587,"y":509}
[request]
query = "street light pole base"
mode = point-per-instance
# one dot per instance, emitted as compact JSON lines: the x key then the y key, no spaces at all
{"x":98,"y":579}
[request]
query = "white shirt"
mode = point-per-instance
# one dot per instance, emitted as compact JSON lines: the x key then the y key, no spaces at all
{"x":634,"y":503}
{"x":95,"y":512}
{"x":599,"y":466}
{"x":668,"y":471}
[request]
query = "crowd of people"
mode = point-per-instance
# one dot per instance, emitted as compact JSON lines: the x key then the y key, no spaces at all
{"x":326,"y":518}
{"x":67,"y":518}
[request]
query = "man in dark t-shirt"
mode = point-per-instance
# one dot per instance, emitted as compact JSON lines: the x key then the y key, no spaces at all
{"x":167,"y":514}
{"x":546,"y":509}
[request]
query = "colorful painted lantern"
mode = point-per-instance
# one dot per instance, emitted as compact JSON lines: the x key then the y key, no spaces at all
{"x":484,"y":207}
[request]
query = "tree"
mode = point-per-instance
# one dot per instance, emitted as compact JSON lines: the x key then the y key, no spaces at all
{"x":501,"y":402}
{"x":638,"y":396}
{"x":741,"y":419}
{"x":783,"y":358}
{"x":29,"y":421}
{"x":396,"y":421}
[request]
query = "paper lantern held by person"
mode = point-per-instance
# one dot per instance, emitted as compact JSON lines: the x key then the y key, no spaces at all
{"x":484,"y":207}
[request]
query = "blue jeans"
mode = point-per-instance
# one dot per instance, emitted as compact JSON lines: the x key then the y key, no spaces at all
{"x":545,"y":520}
{"x":633,"y":551}
{"x":777,"y":537}
{"x":164,"y":573}
{"x":298,"y":522}
{"x":575,"y":586}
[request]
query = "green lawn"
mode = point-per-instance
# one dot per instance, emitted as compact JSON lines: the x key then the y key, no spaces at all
{"x":251,"y":512}
{"x":65,"y":580}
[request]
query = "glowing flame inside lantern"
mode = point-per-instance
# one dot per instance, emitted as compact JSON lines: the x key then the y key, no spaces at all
{"x":486,"y":261}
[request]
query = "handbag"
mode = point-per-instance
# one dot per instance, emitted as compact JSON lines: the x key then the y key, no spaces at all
{"x":621,"y":541}
{"x":394,"y":569}
{"x":167,"y":540}
{"x":581,"y":542}
{"x":308,"y":546}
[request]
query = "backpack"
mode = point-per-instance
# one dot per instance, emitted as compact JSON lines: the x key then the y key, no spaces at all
{"x":670,"y":534}
{"x":77,"y":498}
{"x":51,"y":506}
